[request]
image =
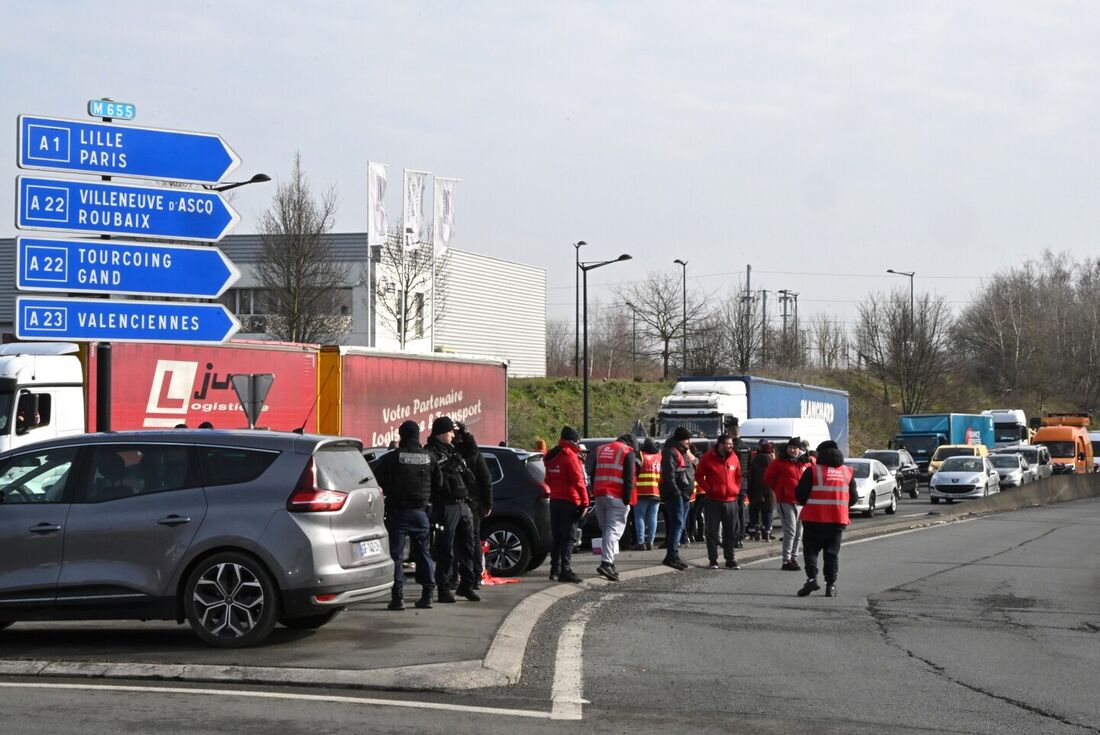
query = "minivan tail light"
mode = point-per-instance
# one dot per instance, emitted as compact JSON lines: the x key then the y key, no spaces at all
{"x":308,"y":498}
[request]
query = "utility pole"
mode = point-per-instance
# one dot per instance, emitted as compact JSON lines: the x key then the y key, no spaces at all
{"x":763,"y":326}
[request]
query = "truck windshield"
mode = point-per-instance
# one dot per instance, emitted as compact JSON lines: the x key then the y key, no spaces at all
{"x":1063,"y":450}
{"x":6,"y":398}
{"x":697,"y":425}
{"x":1006,"y":433}
{"x":919,"y":445}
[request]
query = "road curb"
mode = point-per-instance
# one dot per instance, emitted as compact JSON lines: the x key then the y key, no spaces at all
{"x":503,"y":662}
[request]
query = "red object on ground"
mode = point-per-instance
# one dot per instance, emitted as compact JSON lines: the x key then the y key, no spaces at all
{"x":488,"y":579}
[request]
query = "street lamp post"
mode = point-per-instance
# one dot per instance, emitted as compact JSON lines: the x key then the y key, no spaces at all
{"x":257,"y":179}
{"x":909,"y":275}
{"x":633,"y":340}
{"x":584,"y":268}
{"x":684,"y":267}
{"x":577,"y":309}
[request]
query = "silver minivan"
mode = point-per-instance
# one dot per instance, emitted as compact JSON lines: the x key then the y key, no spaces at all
{"x":232,"y":531}
{"x":1037,"y":457}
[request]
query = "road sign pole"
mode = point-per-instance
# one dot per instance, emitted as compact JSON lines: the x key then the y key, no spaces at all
{"x":103,"y":396}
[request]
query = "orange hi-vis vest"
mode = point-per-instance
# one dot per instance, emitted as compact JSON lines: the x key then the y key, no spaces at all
{"x":828,"y":501}
{"x":608,"y":479}
{"x":649,"y":476}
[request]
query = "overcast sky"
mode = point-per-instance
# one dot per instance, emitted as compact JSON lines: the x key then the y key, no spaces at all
{"x":831,"y":138}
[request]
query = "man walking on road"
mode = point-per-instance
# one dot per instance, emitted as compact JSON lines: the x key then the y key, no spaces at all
{"x":454,"y":540}
{"x":408,"y":477}
{"x":677,"y":482}
{"x":613,"y":486}
{"x":568,"y":502}
{"x":719,"y":474}
{"x":826,"y":491}
{"x":782,"y":476}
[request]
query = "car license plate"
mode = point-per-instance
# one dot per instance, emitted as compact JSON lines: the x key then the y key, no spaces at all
{"x":366,"y":548}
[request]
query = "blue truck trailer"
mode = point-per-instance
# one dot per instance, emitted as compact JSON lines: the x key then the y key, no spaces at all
{"x":920,"y":434}
{"x":702,"y":404}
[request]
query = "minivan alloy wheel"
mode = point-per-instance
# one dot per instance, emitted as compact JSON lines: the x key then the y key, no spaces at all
{"x":509,"y":551}
{"x":230,"y":601}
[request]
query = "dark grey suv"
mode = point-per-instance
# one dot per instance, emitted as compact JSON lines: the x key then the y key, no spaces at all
{"x":232,"y":531}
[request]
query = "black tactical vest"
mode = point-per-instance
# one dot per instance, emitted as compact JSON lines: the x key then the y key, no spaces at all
{"x":412,"y":477}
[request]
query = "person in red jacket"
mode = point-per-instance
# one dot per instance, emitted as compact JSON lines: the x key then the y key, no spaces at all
{"x":719,"y":475}
{"x":782,"y":477}
{"x":568,"y":502}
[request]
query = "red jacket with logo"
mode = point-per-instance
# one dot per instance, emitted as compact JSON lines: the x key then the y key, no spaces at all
{"x":782,"y":477}
{"x":565,"y":474}
{"x":719,"y":477}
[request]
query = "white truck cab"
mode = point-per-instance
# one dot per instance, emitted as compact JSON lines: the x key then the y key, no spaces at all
{"x":1009,"y":427}
{"x":41,"y":392}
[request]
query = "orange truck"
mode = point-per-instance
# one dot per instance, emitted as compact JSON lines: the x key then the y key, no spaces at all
{"x":1067,"y":438}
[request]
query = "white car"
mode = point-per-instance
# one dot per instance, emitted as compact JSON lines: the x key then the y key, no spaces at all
{"x":1013,"y":469}
{"x":875,"y":486}
{"x":963,"y":477}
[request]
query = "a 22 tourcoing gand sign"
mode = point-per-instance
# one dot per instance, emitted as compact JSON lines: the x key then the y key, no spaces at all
{"x":108,"y":208}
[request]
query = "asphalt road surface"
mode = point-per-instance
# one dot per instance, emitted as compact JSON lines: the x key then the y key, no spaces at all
{"x":984,"y":626}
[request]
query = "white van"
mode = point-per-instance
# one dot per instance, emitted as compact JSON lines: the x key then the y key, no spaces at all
{"x":779,"y":431}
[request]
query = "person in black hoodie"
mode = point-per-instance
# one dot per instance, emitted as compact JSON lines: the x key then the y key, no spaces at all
{"x":761,"y":497}
{"x":481,"y":493}
{"x":677,"y":482}
{"x":826,"y":491}
{"x":454,"y":538}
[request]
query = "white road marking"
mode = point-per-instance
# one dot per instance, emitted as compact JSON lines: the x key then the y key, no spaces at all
{"x":290,"y":696}
{"x":567,"y":693}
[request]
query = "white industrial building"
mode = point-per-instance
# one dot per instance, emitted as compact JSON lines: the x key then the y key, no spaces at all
{"x":493,"y":307}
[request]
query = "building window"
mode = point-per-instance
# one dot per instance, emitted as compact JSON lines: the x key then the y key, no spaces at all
{"x":252,"y":306}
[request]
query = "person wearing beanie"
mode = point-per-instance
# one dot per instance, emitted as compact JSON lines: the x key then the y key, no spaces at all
{"x":613,"y":487}
{"x":744,"y":456}
{"x":648,"y":497}
{"x":826,"y":490}
{"x":568,"y":503}
{"x":677,"y":482}
{"x":719,"y":476}
{"x":451,"y":514}
{"x":761,"y":497}
{"x":481,"y":495}
{"x":409,"y":477}
{"x":782,"y":477}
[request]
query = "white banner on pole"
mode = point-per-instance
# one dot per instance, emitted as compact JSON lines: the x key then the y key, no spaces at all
{"x":444,"y":200}
{"x":413,"y":211}
{"x":376,"y":204}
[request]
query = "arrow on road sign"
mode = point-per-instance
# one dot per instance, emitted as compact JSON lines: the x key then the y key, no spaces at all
{"x":57,"y":144}
{"x":111,"y":320}
{"x":113,"y":209}
{"x":116,"y":267}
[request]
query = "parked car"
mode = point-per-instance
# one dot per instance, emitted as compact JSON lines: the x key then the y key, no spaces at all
{"x":1013,"y":469}
{"x":954,"y":450}
{"x":875,"y":487}
{"x":232,"y":531}
{"x":963,"y":477}
{"x":901,"y":466}
{"x":518,"y":530}
{"x":1037,"y":456}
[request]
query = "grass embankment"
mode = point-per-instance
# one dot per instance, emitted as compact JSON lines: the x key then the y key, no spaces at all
{"x":538,"y":407}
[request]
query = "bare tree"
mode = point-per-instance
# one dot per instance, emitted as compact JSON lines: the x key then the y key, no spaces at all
{"x":408,"y":279}
{"x":742,"y":314}
{"x":559,"y":347}
{"x":906,"y":351}
{"x":304,"y":286}
{"x":828,"y":340}
{"x":659,"y":304}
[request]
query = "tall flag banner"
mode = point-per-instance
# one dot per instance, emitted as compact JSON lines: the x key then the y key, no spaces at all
{"x":444,"y":201}
{"x":376,"y":204}
{"x":413,"y":210}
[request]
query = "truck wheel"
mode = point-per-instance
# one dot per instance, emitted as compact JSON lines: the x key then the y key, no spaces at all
{"x":893,"y":507}
{"x":870,"y":512}
{"x":509,"y":549}
{"x":309,"y":622}
{"x":230,"y":601}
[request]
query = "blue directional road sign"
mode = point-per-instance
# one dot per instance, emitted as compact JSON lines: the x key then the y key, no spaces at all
{"x":116,"y":267}
{"x":113,"y":209}
{"x":56,"y":144}
{"x":108,"y":320}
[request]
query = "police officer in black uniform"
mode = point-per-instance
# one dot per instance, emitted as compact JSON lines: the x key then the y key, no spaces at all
{"x":409,"y":477}
{"x":454,"y":538}
{"x":481,"y":492}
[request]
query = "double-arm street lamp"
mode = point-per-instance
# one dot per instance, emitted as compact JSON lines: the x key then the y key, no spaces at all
{"x":257,"y":179}
{"x":909,"y":275}
{"x":584,"y":268}
{"x":684,"y":266}
{"x":577,"y":310}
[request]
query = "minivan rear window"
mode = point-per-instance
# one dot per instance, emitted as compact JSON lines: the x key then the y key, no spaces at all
{"x":341,"y":467}
{"x":233,"y":465}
